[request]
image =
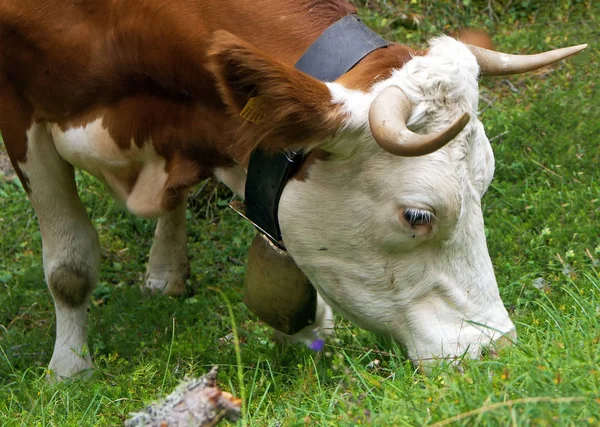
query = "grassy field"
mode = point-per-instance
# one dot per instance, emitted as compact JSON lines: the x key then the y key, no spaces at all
{"x":543,"y":226}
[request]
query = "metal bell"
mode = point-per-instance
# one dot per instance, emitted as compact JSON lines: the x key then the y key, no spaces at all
{"x":276,"y":290}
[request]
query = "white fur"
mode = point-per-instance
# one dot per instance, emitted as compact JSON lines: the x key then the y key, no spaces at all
{"x":91,"y":148}
{"x":71,"y":354}
{"x":433,"y":290}
{"x":68,"y":238}
{"x":234,"y":178}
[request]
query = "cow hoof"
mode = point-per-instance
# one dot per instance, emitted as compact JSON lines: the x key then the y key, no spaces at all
{"x":83,"y":375}
{"x":76,"y":368}
{"x":171,"y":285}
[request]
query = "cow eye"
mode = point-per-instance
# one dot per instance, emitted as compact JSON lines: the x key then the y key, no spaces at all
{"x":418,"y":216}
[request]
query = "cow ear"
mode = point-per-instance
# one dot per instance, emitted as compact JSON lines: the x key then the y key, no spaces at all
{"x":282,"y":107}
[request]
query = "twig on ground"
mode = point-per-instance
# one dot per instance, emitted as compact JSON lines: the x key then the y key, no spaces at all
{"x":500,"y":135}
{"x":489,"y":103}
{"x":235,"y":261}
{"x":194,"y":403}
{"x":589,"y":254}
{"x":19,"y":240}
{"x":550,"y":171}
{"x":22,"y":315}
{"x":545,"y":168}
{"x":511,"y":87}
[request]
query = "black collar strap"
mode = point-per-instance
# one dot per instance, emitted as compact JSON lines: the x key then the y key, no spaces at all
{"x":339,"y":48}
{"x":335,"y":52}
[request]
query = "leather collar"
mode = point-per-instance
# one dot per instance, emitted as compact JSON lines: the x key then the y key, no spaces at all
{"x":334,"y":53}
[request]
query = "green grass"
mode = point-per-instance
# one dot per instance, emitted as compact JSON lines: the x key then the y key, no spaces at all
{"x":542,"y":222}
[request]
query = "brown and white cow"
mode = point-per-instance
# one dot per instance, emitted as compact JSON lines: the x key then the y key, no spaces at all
{"x":146,"y":95}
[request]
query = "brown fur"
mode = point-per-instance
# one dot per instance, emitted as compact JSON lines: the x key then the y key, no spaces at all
{"x":297,"y":107}
{"x":143,"y":68}
{"x":176,"y":73}
{"x":376,"y":67}
{"x":474,"y":37}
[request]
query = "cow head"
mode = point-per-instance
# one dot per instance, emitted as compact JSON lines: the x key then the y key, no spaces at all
{"x":386,"y":223}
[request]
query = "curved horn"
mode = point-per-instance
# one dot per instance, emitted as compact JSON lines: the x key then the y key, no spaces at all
{"x":388,"y":115}
{"x":494,"y":63}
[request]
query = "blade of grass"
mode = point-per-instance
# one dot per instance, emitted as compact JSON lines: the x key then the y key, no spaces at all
{"x":238,"y":354}
{"x":162,"y":386}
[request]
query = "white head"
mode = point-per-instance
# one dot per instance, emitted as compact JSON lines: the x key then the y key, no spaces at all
{"x":394,"y":243}
{"x":397,"y":244}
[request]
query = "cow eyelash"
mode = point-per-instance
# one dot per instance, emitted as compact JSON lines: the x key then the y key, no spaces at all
{"x":418,"y":216}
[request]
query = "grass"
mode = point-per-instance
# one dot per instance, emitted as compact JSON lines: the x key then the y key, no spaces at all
{"x":543,"y":227}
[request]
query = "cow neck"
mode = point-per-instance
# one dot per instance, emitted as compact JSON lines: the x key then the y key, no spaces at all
{"x":339,"y":48}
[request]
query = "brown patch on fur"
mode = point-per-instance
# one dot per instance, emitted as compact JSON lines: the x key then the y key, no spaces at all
{"x":380,"y":64}
{"x":313,"y":156}
{"x":183,"y":173}
{"x":377,"y":66}
{"x":299,"y":108}
{"x":474,"y":37}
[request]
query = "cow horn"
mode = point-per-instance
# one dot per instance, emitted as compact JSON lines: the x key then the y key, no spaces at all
{"x":388,"y":115}
{"x":494,"y":63}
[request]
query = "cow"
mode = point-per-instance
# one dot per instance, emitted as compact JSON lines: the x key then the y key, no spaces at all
{"x":384,"y":217}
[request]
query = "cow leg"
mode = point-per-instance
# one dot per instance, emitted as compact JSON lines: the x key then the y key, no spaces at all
{"x":168,"y":265}
{"x":322,"y":327}
{"x":71,"y":251}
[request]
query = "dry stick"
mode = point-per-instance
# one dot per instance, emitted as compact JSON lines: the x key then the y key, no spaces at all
{"x":20,"y":316}
{"x":562,"y":262}
{"x":489,"y":103}
{"x":509,"y":404}
{"x":500,"y":135}
{"x":20,"y":238}
{"x":589,"y":254}
{"x":550,"y":171}
{"x":194,"y":403}
{"x":511,"y":86}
